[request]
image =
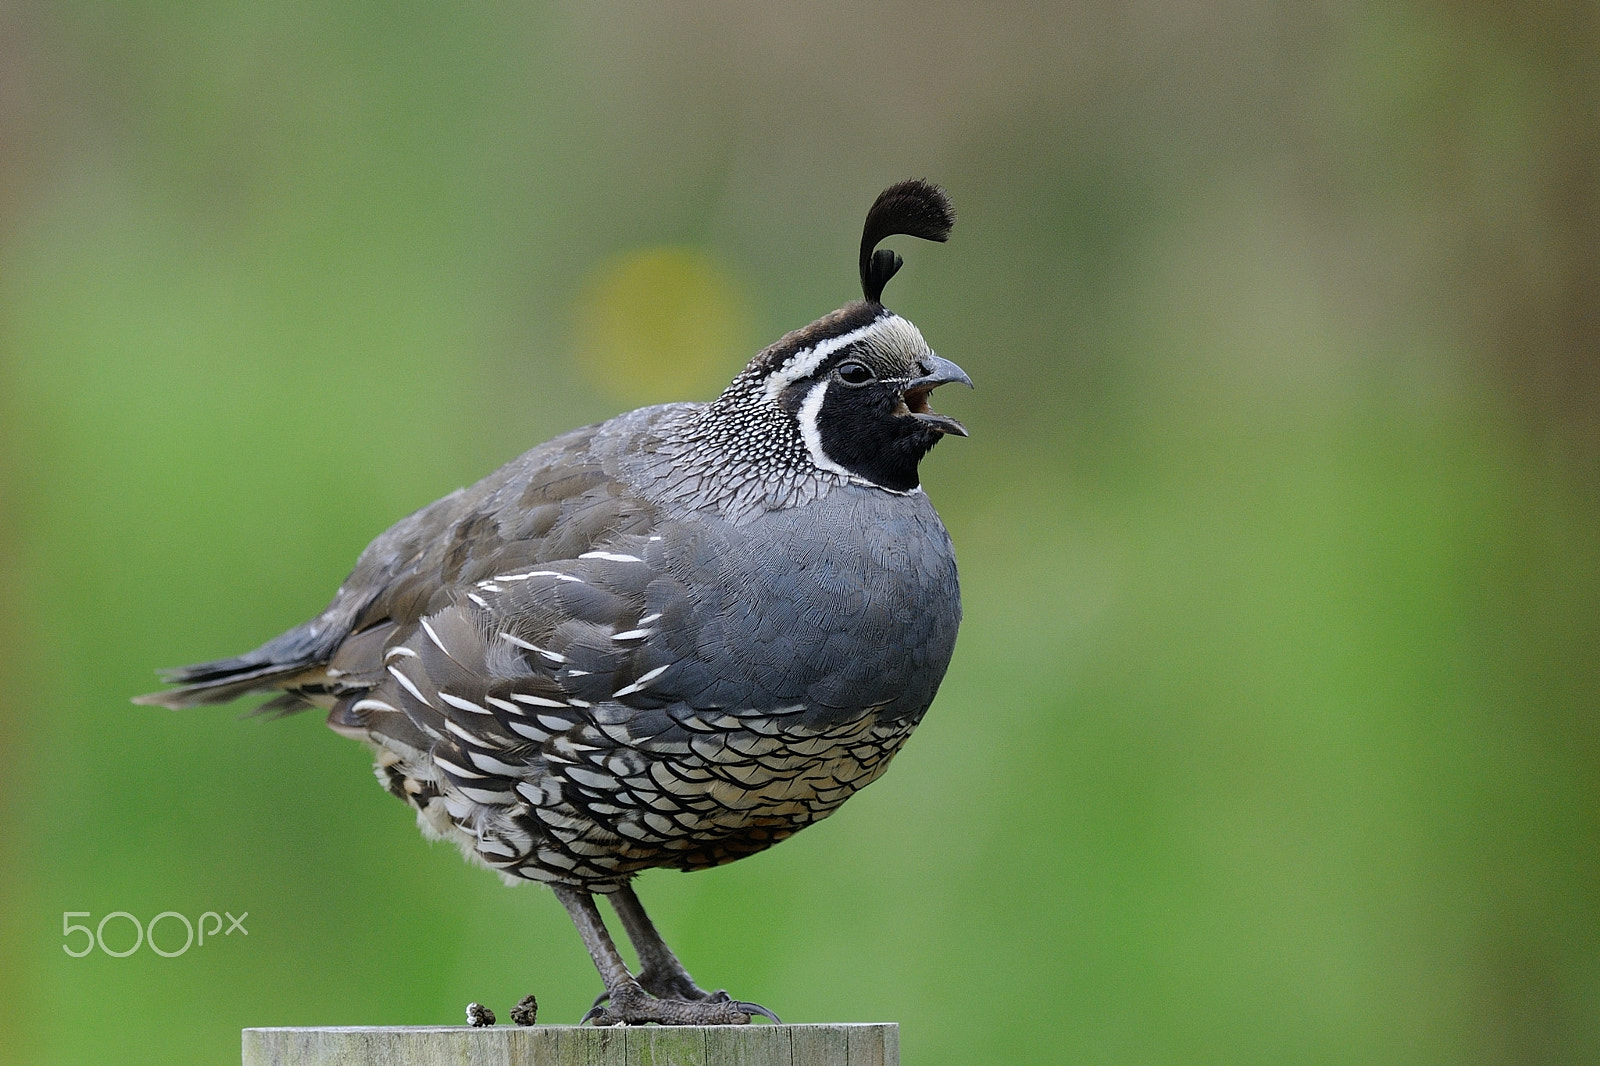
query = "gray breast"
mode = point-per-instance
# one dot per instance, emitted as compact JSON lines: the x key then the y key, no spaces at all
{"x":849,"y":602}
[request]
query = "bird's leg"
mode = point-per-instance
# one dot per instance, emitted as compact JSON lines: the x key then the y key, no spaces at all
{"x":629,"y":1003}
{"x":660,"y":972}
{"x":596,"y":940}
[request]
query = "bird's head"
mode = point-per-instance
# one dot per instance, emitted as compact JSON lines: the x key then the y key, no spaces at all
{"x":851,"y":389}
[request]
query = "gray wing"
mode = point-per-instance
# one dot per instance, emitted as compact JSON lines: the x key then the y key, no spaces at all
{"x":548,"y":503}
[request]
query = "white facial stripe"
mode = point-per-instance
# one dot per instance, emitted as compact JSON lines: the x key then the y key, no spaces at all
{"x":802,"y":363}
{"x":810,"y":408}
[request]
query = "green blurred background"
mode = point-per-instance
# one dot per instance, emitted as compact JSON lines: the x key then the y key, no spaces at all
{"x":1271,"y":736}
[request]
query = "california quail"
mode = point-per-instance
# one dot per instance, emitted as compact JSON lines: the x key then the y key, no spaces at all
{"x":671,"y":639}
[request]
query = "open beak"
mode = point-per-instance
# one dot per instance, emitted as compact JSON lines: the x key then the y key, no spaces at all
{"x":936,"y":372}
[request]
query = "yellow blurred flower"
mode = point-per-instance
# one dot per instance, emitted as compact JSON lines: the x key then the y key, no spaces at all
{"x":659,"y":324}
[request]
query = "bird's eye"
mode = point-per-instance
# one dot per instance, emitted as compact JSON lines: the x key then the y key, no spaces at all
{"x":854,"y":373}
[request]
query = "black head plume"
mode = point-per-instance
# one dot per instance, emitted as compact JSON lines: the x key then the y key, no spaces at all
{"x":914,"y":207}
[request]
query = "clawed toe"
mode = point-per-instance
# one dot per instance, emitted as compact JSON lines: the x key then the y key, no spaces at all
{"x":752,"y":1009}
{"x":636,"y":1007}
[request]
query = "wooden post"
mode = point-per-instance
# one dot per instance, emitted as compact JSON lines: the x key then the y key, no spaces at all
{"x":851,"y":1044}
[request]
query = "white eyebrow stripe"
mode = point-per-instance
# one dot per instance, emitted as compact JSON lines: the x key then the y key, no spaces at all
{"x":803,"y":362}
{"x":615,"y":557}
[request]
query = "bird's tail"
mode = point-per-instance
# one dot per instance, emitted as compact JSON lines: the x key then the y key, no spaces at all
{"x":266,"y":669}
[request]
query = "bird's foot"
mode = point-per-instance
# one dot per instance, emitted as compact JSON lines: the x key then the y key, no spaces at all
{"x":672,"y":985}
{"x":675,"y":984}
{"x":632,"y":1005}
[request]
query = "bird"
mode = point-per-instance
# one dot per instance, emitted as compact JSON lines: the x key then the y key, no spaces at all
{"x":671,"y":639}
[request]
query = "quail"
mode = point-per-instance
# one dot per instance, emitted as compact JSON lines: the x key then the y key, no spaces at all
{"x":671,"y":639}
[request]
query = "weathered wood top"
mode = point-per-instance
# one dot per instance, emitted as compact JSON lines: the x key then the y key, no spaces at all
{"x":849,"y":1044}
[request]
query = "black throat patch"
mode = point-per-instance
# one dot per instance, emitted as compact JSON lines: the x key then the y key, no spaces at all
{"x":869,"y":432}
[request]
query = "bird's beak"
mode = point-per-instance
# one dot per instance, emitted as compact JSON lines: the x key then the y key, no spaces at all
{"x":936,"y":372}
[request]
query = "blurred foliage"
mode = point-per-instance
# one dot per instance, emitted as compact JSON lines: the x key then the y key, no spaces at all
{"x":1271,"y":736}
{"x":658,"y":324}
